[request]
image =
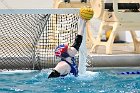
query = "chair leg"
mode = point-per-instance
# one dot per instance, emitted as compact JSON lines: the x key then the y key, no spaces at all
{"x":94,"y":48}
{"x":136,"y":42}
{"x":138,"y":47}
{"x":111,"y":39}
{"x":89,"y":37}
{"x":98,"y":39}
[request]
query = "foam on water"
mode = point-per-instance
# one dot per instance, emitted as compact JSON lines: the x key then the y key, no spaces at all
{"x":89,"y":75}
{"x":16,"y":71}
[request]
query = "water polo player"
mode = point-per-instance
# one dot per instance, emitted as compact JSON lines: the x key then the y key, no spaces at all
{"x":67,"y":54}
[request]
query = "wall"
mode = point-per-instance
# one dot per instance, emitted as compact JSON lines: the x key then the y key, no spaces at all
{"x":25,"y":4}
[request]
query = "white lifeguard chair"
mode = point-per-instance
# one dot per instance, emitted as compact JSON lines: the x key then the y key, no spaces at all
{"x":117,"y":20}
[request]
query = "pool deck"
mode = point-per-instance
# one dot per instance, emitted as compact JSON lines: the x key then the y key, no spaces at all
{"x":122,"y":56}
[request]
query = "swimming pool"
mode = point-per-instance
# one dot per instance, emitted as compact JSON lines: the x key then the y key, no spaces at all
{"x":91,"y":82}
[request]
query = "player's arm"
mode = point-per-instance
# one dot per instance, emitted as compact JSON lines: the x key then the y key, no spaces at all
{"x":79,"y":37}
{"x":86,"y":13}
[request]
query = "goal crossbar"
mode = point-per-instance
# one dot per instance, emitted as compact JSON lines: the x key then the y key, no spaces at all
{"x":40,"y":11}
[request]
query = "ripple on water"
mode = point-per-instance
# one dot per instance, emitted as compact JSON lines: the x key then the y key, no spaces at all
{"x":90,"y":82}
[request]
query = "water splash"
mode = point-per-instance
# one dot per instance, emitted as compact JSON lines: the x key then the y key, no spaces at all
{"x":89,"y":75}
{"x":82,"y":53}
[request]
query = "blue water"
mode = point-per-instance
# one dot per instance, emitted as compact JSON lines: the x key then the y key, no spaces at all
{"x":91,"y":82}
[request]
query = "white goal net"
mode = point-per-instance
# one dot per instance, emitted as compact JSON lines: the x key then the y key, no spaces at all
{"x":28,"y":37}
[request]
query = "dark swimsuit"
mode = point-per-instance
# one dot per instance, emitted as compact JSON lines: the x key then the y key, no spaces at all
{"x":76,"y":45}
{"x":74,"y":67}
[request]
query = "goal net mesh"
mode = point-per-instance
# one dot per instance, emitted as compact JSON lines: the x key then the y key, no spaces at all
{"x":27,"y":41}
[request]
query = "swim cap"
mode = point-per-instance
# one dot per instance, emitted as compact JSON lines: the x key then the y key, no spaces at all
{"x":61,"y":49}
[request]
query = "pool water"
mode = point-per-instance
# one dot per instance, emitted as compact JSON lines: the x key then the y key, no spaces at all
{"x":90,"y":82}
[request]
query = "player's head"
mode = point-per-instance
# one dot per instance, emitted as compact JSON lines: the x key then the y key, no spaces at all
{"x":61,"y":50}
